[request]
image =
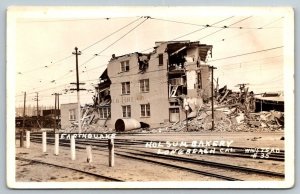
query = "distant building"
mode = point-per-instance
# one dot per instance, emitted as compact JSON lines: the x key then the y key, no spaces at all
{"x":69,"y":114}
{"x":269,"y":101}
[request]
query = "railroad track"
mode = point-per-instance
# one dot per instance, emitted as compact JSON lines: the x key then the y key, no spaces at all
{"x":239,"y":152}
{"x":69,"y":168}
{"x":128,"y":149}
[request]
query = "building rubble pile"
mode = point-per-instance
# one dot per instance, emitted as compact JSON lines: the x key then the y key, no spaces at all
{"x":89,"y":121}
{"x":233,"y":112}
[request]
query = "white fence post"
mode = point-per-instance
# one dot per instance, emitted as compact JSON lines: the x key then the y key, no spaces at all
{"x":73,"y":154}
{"x":44,"y":141}
{"x":89,"y":154}
{"x":27,"y":139}
{"x":56,"y":144}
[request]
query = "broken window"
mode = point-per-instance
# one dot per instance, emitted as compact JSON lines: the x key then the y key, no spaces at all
{"x":104,"y":112}
{"x":145,"y":110}
{"x":144,"y":85}
{"x":126,"y":110}
{"x":124,"y":66}
{"x":125,"y":87}
{"x":160,"y":59}
{"x":72,"y":115}
{"x":199,"y":80}
{"x":143,"y":64}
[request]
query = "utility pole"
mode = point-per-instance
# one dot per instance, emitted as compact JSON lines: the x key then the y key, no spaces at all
{"x":212,"y":97}
{"x":55,"y":112}
{"x":37,"y":108}
{"x":56,"y":108}
{"x":76,"y":53}
{"x":23,"y":128}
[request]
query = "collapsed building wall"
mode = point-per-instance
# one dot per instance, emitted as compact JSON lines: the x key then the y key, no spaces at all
{"x":189,"y":77}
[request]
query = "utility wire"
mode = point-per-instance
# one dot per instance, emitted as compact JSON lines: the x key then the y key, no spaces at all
{"x":70,"y":71}
{"x":212,"y":26}
{"x":110,"y":34}
{"x":201,"y":28}
{"x":246,"y":32}
{"x":122,"y":37}
{"x":245,"y":62}
{"x":77,"y":19}
{"x":271,"y":23}
{"x":225,"y":27}
{"x":192,"y":32}
{"x":114,"y":42}
{"x":69,"y":56}
{"x":247,"y":53}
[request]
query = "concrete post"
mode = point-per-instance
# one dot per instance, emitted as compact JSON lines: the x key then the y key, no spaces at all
{"x":73,"y":151}
{"x":89,"y":154}
{"x":44,"y":141}
{"x":27,"y":139}
{"x":56,"y":144}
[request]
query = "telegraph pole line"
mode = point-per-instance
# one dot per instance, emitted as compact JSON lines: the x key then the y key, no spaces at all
{"x":37,"y":108}
{"x":55,"y":112}
{"x":56,"y":108}
{"x":23,"y":127}
{"x":54,"y":129}
{"x":76,"y":53}
{"x":212,"y":97}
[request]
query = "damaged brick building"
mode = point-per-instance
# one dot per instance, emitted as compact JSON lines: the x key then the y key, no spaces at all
{"x":151,"y":89}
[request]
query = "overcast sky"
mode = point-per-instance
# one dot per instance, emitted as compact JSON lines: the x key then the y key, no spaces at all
{"x":45,"y":40}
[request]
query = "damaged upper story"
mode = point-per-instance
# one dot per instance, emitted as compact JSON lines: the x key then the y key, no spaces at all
{"x":102,"y":96}
{"x":188,"y":73}
{"x":182,"y":54}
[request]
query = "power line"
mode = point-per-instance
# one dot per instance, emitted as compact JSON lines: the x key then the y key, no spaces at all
{"x":110,"y":34}
{"x":246,"y":32}
{"x":114,"y":42}
{"x":224,"y":27}
{"x":211,"y":26}
{"x":272,"y":22}
{"x":245,"y":62}
{"x":69,"y":56}
{"x":121,"y":37}
{"x":77,"y":19}
{"x":201,"y":28}
{"x":191,"y":32}
{"x":247,"y":53}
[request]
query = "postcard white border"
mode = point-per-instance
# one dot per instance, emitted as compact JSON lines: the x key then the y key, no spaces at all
{"x":18,"y":12}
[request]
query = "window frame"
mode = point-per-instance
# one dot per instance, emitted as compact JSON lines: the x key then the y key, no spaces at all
{"x":125,"y":66}
{"x":144,"y":88}
{"x":145,"y":110}
{"x":104,"y":112}
{"x":127,"y":111}
{"x":126,"y":90}
{"x":72,"y":117}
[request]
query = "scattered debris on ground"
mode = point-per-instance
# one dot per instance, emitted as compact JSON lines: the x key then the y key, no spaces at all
{"x":233,"y":112}
{"x":89,"y":121}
